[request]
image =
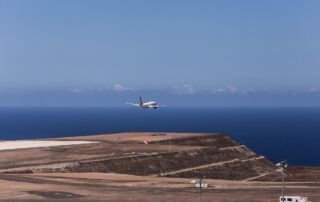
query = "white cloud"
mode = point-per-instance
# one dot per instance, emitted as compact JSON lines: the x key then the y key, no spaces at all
{"x":120,"y":88}
{"x":116,"y":88}
{"x":221,"y":90}
{"x":188,"y":89}
{"x":313,"y":90}
{"x":250,"y":90}
{"x":228,"y":89}
{"x":77,"y":90}
{"x":232,"y":89}
{"x":81,"y":91}
{"x":185,"y":89}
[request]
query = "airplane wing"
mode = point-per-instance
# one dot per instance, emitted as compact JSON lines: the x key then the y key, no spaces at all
{"x":134,"y":104}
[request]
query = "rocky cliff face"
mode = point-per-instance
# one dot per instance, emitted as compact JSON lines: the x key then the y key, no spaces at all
{"x":214,"y":156}
{"x":211,"y":156}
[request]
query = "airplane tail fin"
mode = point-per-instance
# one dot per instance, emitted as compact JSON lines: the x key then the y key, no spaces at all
{"x":141,"y":103}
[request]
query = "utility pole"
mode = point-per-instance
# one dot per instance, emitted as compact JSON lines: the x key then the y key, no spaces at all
{"x":199,"y":183}
{"x":282,"y":185}
{"x":200,"y":188}
{"x":283,"y":165}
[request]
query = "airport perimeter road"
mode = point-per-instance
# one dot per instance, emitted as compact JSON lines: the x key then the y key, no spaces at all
{"x":117,"y":187}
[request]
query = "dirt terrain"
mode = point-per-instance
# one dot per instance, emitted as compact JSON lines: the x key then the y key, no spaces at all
{"x":148,"y":167}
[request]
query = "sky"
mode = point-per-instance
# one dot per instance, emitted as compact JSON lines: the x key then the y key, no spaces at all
{"x":182,"y":52}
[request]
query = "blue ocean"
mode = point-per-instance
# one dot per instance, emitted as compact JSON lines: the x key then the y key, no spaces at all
{"x":291,"y":134}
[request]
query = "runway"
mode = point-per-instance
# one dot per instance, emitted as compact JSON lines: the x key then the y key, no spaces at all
{"x":26,"y":144}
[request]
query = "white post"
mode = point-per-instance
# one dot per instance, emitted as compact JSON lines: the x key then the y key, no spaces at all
{"x":282,"y":165}
{"x":282,"y":184}
{"x":200,"y":185}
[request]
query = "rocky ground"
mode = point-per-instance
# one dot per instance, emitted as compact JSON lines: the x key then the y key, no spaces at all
{"x":148,"y":167}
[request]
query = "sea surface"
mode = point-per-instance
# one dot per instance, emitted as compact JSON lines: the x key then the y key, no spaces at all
{"x":291,"y":134}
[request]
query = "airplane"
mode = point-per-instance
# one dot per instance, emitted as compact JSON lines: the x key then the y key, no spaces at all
{"x":146,"y":105}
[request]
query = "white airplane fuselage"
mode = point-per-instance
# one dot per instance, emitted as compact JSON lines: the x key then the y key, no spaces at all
{"x":149,"y":105}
